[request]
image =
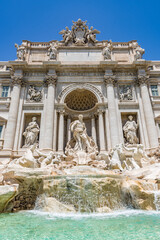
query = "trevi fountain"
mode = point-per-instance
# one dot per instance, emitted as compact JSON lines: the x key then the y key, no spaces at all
{"x":79,"y":147}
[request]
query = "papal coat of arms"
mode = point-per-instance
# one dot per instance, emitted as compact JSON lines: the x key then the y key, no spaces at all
{"x":80,"y":34}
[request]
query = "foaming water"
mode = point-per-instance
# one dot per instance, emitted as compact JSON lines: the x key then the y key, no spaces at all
{"x":114,"y":214}
{"x":119,"y":225}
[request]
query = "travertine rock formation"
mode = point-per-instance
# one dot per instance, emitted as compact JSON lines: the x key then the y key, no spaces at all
{"x":82,"y":189}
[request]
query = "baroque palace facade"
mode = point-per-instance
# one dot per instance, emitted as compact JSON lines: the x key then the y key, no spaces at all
{"x":51,"y":83}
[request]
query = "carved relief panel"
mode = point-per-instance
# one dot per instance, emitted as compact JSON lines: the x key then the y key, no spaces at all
{"x":126,"y":93}
{"x":34,"y":93}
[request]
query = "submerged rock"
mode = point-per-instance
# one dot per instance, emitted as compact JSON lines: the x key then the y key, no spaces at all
{"x":50,"y":204}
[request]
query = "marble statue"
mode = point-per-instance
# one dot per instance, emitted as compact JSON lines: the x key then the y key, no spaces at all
{"x":52,"y":51}
{"x":91,"y":34}
{"x":20,"y":52}
{"x":130,"y":129}
{"x":67,"y":35}
{"x":47,"y":159}
{"x":81,"y":145}
{"x":129,"y":157}
{"x":107,"y":51}
{"x":125,"y":93}
{"x":139,"y":52}
{"x":80,"y":135}
{"x":80,"y":34}
{"x":34,"y":94}
{"x":31,"y":133}
{"x":27,"y":160}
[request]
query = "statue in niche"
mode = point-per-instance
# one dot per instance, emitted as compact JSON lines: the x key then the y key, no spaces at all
{"x":130,"y":129}
{"x":125,"y":93}
{"x":81,"y":146}
{"x":20,"y":52}
{"x":31,"y":133}
{"x":52,"y":51}
{"x":34,"y":94}
{"x":80,"y":135}
{"x":107,"y":51}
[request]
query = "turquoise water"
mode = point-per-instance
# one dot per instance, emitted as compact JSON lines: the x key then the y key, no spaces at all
{"x":128,"y":225}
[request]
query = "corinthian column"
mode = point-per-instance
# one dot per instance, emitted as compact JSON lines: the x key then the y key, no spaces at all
{"x":148,"y":112}
{"x":112,"y":113}
{"x":93,"y":125}
{"x":13,"y":113}
{"x":50,"y":79}
{"x":101,"y":130}
{"x":68,"y":128}
{"x":55,"y":131}
{"x":61,"y":131}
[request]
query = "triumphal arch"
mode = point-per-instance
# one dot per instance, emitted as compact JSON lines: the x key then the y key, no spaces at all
{"x":51,"y":84}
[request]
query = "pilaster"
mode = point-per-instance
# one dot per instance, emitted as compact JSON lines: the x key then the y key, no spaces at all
{"x":68,"y":128}
{"x":93,"y":127}
{"x":61,"y":131}
{"x":16,"y":81}
{"x":50,"y":80}
{"x":148,"y":112}
{"x":112,"y":112}
{"x":101,"y":130}
{"x":55,"y":131}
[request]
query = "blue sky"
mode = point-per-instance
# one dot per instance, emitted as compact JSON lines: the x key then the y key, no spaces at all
{"x":37,"y":20}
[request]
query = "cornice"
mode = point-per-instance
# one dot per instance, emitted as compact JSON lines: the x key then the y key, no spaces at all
{"x":18,"y":64}
{"x":60,"y":66}
{"x":51,"y":63}
{"x":108,"y":64}
{"x":141,"y":64}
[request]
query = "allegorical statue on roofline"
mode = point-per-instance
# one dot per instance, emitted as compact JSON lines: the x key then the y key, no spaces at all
{"x":20,"y":52}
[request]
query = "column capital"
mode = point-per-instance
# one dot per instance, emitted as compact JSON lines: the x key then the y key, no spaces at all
{"x":142,"y":79}
{"x":61,"y":111}
{"x":50,"y":79}
{"x":69,"y":116}
{"x":100,"y":111}
{"x":16,"y":80}
{"x":92,"y":115}
{"x":109,"y":79}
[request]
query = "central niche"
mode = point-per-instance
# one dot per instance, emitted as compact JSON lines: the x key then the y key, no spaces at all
{"x":80,"y":100}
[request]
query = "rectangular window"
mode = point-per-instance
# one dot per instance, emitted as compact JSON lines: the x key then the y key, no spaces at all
{"x":5,"y":91}
{"x":1,"y":131}
{"x":154,"y":89}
